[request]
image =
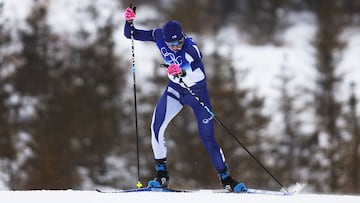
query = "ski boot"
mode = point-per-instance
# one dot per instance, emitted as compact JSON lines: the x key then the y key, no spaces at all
{"x":229,"y":183}
{"x":162,"y":179}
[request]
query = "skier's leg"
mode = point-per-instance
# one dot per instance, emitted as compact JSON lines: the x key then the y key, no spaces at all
{"x":206,"y":127}
{"x":206,"y":131}
{"x":166,"y":109}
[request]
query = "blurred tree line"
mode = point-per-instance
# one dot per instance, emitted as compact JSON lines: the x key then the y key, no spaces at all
{"x":67,"y":112}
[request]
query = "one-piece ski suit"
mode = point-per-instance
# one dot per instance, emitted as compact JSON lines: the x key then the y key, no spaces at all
{"x":175,"y":96}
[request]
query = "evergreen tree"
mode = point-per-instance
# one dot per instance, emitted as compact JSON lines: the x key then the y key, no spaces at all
{"x":289,"y":143}
{"x":328,"y":159}
{"x":35,"y":80}
{"x":352,"y":118}
{"x":89,"y":103}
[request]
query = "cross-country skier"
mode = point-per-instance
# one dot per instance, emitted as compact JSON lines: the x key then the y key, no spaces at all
{"x":185,"y":66}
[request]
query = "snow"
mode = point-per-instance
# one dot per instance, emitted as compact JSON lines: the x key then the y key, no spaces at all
{"x":61,"y":196}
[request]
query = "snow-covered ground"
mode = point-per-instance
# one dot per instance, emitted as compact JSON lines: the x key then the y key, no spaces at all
{"x":73,"y":196}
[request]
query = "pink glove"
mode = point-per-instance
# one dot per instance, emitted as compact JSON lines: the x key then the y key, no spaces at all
{"x":129,"y":14}
{"x":174,"y":69}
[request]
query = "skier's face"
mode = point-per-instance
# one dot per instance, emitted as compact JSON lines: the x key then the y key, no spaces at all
{"x":175,"y":45}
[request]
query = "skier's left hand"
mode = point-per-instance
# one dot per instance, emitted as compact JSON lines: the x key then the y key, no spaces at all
{"x":174,"y":69}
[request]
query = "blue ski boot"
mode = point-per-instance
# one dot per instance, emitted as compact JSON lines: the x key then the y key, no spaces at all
{"x":229,"y":183}
{"x":162,"y":179}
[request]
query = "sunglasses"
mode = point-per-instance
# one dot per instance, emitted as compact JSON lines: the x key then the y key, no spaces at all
{"x":175,"y":43}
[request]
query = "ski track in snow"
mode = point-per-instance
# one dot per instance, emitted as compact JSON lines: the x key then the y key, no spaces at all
{"x":74,"y":196}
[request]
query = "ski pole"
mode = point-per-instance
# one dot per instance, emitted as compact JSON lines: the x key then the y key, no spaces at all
{"x":212,"y":114}
{"x":133,"y":69}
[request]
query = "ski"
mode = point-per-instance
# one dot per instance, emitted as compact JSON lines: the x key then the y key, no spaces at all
{"x":268,"y":192}
{"x":145,"y":189}
{"x":160,"y":189}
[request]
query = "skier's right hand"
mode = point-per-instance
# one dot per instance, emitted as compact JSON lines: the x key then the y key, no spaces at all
{"x":174,"y":69}
{"x":129,"y":14}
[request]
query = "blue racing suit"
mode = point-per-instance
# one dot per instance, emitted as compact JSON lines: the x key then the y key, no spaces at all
{"x":175,"y":96}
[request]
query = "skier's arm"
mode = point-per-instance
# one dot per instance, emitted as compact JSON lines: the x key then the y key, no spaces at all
{"x":142,"y":35}
{"x":194,"y":56}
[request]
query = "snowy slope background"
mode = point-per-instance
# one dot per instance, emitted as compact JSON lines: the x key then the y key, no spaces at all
{"x":262,"y":63}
